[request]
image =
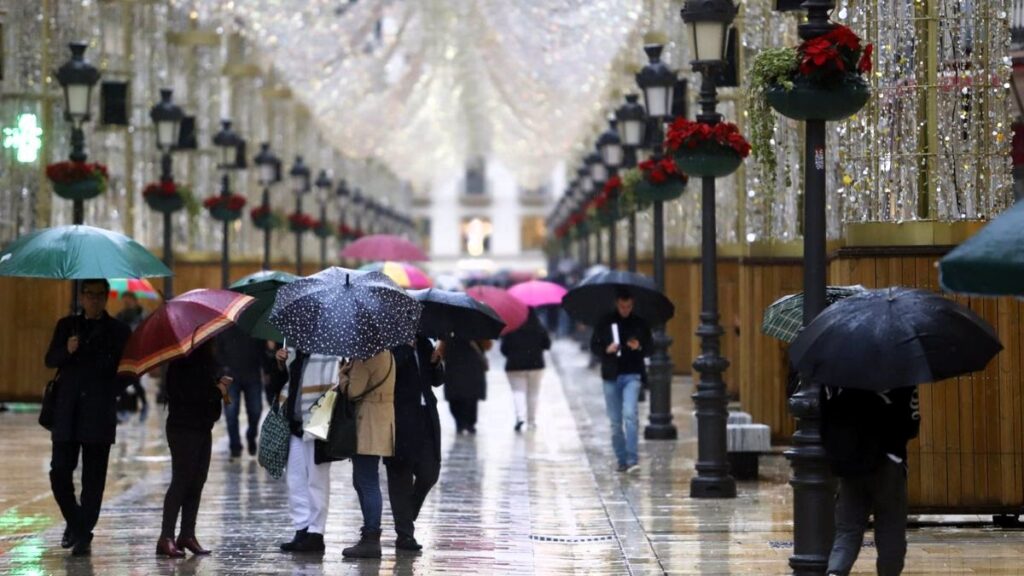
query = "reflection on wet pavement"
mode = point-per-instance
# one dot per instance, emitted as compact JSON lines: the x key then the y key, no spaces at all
{"x":545,"y":502}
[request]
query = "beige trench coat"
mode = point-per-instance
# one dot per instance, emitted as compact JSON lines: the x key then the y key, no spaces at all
{"x":375,"y":412}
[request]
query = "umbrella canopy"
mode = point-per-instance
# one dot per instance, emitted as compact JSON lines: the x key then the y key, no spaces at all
{"x":784,"y":318}
{"x":405,"y":275}
{"x":384,"y":247}
{"x":456,"y":314}
{"x":138,"y":286}
{"x":991,"y":262}
{"x":180,"y":326}
{"x":891,"y":338}
{"x":538,"y":293}
{"x":78,"y":253}
{"x":594,"y":298}
{"x":347,"y":313}
{"x":511,"y":311}
{"x":263,"y":287}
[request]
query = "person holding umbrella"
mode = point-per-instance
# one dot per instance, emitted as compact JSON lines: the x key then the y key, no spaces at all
{"x":622,"y":340}
{"x":85,"y":349}
{"x":524,"y":365}
{"x":196,"y":386}
{"x":465,"y":380}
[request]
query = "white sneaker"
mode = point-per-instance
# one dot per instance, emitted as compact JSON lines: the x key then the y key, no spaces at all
{"x":632,"y":468}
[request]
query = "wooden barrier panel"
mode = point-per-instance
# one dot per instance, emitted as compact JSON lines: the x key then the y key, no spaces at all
{"x":729,"y":317}
{"x":683,"y":325}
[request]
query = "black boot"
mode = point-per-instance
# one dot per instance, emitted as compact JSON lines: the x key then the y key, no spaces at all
{"x":290,"y":546}
{"x":68,"y":540}
{"x":407,"y":543}
{"x":368,"y":546}
{"x":313,"y":543}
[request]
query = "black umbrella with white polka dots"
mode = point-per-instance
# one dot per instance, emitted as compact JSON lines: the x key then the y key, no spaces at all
{"x":347,"y":313}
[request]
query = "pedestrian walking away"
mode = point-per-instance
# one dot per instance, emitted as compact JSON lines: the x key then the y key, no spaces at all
{"x":372,"y":382}
{"x":465,"y":380}
{"x":196,"y":386}
{"x":524,"y":365}
{"x":308,"y":377}
{"x":416,"y":464}
{"x":243,"y":358}
{"x":865,"y":434}
{"x":134,"y":397}
{"x":621,"y":340}
{"x":86,"y":349}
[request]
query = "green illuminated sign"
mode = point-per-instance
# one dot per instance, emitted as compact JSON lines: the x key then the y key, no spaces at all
{"x":25,"y":138}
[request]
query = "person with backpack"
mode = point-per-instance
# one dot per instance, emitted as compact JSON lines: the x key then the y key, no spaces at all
{"x":865,"y":435}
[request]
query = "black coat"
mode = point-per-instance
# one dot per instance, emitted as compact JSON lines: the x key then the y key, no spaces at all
{"x":241,"y":355}
{"x":193,"y":399}
{"x":465,"y":372}
{"x":415,"y":404}
{"x":88,"y":385}
{"x":524,"y":348}
{"x":859,"y":427}
{"x":629,"y":361}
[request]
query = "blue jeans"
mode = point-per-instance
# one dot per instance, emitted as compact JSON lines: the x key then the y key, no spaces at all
{"x":366,"y":480}
{"x":620,"y":399}
{"x":253,"y":408}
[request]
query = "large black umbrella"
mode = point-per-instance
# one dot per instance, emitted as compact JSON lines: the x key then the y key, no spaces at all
{"x":594,"y":297}
{"x":890,"y":338}
{"x":456,"y":314}
{"x":347,"y":313}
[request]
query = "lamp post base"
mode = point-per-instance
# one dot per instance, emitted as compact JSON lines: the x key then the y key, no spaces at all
{"x":660,"y":426}
{"x":713,"y":487}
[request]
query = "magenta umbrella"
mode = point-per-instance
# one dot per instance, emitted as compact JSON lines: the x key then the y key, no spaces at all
{"x":384,"y":247}
{"x":511,"y":311}
{"x":538,"y":293}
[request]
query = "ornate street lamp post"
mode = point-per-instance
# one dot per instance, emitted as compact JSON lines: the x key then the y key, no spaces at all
{"x":709,"y":22}
{"x":343,"y":196}
{"x":77,"y":78}
{"x":229,"y":144}
{"x":268,"y":168}
{"x":657,"y":82}
{"x":299,"y":175}
{"x":598,"y":176}
{"x":632,"y":123}
{"x":610,"y":147}
{"x":357,"y":210}
{"x":323,"y":191}
{"x":167,"y":118}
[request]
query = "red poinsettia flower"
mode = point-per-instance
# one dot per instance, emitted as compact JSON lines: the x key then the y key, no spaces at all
{"x":232,"y":202}
{"x":612,"y":184}
{"x":260,"y":212}
{"x":683,"y":133}
{"x":864,"y":66}
{"x":844,"y":37}
{"x":70,"y":172}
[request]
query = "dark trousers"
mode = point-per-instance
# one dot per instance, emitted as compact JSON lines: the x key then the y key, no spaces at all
{"x":464,"y":412}
{"x":81,"y":517}
{"x":190,"y":463}
{"x":366,"y":480}
{"x":882,"y":493}
{"x":409,"y":482}
{"x":253,"y":409}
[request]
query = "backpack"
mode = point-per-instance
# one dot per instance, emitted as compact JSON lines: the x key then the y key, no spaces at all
{"x":850,"y":431}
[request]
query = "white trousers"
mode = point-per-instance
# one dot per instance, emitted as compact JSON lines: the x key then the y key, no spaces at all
{"x":525,"y":389}
{"x":309,"y":487}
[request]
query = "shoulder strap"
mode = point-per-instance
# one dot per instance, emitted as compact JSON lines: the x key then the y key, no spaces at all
{"x":391,"y":366}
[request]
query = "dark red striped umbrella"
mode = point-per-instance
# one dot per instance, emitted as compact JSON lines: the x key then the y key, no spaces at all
{"x":180,"y":326}
{"x":384,"y":247}
{"x":511,"y":311}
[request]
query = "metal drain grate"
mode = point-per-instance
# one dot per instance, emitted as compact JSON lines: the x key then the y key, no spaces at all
{"x":572,"y":539}
{"x":777,"y":544}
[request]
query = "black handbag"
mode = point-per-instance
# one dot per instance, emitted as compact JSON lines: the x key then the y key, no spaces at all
{"x":47,"y":414}
{"x":342,"y":437}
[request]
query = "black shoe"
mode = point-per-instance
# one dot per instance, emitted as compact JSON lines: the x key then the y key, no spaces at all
{"x":251,"y":446}
{"x":519,"y":425}
{"x":82,"y":548}
{"x":368,"y":546}
{"x":236,"y":453}
{"x":299,"y":536}
{"x":312,"y":543}
{"x":408,"y":543}
{"x":68,"y":539}
{"x":471,"y":430}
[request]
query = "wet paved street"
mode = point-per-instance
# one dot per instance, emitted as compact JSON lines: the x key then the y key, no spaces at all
{"x":546,"y":502}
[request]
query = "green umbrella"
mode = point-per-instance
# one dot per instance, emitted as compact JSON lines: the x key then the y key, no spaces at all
{"x":78,"y":253}
{"x":263,"y":287}
{"x":784,"y":317}
{"x":991,"y":262}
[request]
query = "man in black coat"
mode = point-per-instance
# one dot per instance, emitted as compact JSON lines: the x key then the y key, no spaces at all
{"x":416,"y":465}
{"x":621,"y":340}
{"x":86,"y":349}
{"x":243,"y":356}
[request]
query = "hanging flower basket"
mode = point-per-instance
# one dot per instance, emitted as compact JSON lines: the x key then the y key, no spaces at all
{"x":806,"y":101}
{"x":165,"y":197}
{"x":662,"y":181}
{"x":323,"y":230}
{"x":225,"y":208}
{"x":608,"y":201}
{"x":264,"y":219}
{"x":77,"y":180}
{"x":300,"y":223}
{"x":706,"y":150}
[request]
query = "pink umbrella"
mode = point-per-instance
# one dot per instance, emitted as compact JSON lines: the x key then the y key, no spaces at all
{"x":384,"y":247}
{"x":538,"y":293}
{"x":511,"y":311}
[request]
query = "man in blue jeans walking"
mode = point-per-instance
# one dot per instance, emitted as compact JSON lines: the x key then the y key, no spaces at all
{"x":242,"y":356}
{"x":621,"y":340}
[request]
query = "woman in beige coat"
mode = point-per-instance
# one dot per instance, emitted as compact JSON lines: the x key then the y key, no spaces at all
{"x":371,"y":383}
